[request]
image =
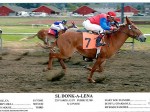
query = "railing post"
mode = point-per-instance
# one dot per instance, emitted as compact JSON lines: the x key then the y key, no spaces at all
{"x":132,"y":44}
{"x":122,"y":12}
{"x":1,"y":44}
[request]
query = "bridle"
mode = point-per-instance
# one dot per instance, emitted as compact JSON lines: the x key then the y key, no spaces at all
{"x":136,"y":36}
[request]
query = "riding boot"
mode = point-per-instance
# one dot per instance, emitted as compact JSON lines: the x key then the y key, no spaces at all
{"x":56,"y":35}
{"x":87,"y":59}
{"x":98,"y":42}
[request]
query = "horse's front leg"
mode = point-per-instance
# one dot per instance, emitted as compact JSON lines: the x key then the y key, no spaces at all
{"x":101,"y":69}
{"x":96,"y":65}
{"x":50,"y":61}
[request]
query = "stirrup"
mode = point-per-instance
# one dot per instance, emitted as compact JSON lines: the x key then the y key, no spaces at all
{"x":100,"y":44}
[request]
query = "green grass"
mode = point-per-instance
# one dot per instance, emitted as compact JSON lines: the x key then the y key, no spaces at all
{"x":18,"y":29}
{"x":18,"y":20}
{"x":145,"y":30}
{"x":28,"y":20}
{"x":29,"y":29}
{"x":18,"y":25}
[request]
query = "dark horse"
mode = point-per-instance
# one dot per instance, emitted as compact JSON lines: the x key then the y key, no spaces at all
{"x":46,"y":37}
{"x":70,"y":42}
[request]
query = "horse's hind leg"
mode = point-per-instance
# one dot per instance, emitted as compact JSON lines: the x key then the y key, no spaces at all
{"x":62,"y":63}
{"x":58,"y":56}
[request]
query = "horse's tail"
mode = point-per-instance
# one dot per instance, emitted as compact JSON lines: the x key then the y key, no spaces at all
{"x":27,"y":38}
{"x":51,"y":47}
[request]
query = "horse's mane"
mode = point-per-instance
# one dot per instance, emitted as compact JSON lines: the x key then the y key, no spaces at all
{"x":121,"y":27}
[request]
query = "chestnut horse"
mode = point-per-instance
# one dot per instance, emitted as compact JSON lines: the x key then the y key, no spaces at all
{"x":46,"y":37}
{"x":70,"y":42}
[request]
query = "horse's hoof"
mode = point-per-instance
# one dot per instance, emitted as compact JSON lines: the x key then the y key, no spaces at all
{"x":45,"y":69}
{"x":91,"y":80}
{"x":88,"y":68}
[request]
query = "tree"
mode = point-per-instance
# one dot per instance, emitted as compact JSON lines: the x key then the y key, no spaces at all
{"x":118,"y":7}
{"x":71,"y":7}
{"x":141,"y":8}
{"x":28,"y":5}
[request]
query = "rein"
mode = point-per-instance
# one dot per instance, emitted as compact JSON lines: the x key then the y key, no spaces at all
{"x":130,"y":28}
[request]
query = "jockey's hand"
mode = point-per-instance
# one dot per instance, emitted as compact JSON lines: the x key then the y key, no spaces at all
{"x":123,"y":24}
{"x":65,"y":28}
{"x":115,"y":29}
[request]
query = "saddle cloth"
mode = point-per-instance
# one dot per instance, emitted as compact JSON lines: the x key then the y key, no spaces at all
{"x":89,"y":41}
{"x":52,"y":32}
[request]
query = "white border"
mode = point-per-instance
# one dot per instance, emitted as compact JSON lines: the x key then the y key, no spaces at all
{"x":99,"y":98}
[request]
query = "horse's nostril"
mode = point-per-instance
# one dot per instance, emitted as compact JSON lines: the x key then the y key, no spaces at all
{"x":142,"y":38}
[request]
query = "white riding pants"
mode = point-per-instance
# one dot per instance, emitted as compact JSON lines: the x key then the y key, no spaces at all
{"x":92,"y":27}
{"x":57,"y":27}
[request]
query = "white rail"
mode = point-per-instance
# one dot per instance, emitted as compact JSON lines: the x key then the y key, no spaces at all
{"x":18,"y":33}
{"x":132,"y":42}
{"x":147,"y":34}
{"x":35,"y":33}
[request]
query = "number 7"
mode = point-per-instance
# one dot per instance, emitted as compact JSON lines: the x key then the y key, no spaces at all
{"x":89,"y":39}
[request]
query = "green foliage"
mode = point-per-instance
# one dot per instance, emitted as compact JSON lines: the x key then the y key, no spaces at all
{"x":29,"y":5}
{"x":118,"y":7}
{"x":71,"y":7}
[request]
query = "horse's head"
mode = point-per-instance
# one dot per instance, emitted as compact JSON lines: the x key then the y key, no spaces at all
{"x":134,"y":32}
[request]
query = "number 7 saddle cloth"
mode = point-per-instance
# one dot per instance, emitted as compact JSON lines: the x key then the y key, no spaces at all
{"x":89,"y":40}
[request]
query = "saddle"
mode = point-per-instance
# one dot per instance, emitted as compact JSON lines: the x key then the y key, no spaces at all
{"x":53,"y":32}
{"x":92,"y":32}
{"x":88,"y":31}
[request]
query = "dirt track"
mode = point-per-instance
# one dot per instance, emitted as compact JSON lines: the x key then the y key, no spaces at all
{"x":21,"y":71}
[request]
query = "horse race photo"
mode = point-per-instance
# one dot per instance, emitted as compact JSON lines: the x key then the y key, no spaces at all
{"x":74,"y":47}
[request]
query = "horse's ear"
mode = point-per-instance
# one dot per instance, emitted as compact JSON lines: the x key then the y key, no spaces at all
{"x":128,"y":20}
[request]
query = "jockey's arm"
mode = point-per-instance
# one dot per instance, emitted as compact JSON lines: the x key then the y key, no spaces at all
{"x":66,"y":26}
{"x":61,"y":26}
{"x":116,"y":24}
{"x":103,"y":23}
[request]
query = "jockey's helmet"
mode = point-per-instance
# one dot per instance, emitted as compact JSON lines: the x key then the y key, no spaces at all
{"x":64,"y":21}
{"x":111,"y":14}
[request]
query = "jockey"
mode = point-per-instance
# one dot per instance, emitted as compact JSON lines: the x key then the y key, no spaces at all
{"x":59,"y":25}
{"x":99,"y":24}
